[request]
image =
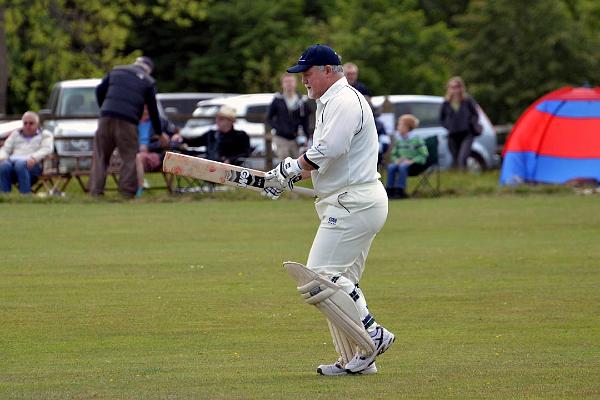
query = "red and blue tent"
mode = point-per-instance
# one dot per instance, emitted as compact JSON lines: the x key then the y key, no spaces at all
{"x":557,"y":139}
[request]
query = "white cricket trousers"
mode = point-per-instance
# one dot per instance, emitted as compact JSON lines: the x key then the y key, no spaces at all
{"x":350,"y":219}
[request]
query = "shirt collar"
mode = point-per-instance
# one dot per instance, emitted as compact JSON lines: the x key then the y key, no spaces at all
{"x":37,"y":132}
{"x":333,"y":89}
{"x":410,"y":135}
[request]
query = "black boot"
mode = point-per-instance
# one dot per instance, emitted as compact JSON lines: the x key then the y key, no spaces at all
{"x":400,"y":194}
{"x":395,"y":193}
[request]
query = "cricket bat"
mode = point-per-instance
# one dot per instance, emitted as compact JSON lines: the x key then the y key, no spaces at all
{"x":217,"y":172}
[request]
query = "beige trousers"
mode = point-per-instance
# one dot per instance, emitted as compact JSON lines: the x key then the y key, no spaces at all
{"x":285,"y":147}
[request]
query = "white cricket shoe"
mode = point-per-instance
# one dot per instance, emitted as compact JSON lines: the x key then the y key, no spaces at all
{"x":337,"y":369}
{"x":383,"y":339}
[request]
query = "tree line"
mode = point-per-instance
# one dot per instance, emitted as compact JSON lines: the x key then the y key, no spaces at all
{"x":508,"y":52}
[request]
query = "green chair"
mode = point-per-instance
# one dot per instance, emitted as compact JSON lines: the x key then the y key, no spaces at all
{"x":432,"y":171}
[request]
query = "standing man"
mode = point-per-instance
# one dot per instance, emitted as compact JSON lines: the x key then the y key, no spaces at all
{"x":351,"y":73}
{"x":287,"y":113}
{"x":352,"y":206}
{"x":22,"y":154}
{"x":121,"y":96}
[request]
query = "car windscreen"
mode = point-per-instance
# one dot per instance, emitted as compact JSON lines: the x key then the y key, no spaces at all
{"x":183,"y":106}
{"x":209,"y":110}
{"x":257,"y":113}
{"x":428,"y":113}
{"x":78,"y":102}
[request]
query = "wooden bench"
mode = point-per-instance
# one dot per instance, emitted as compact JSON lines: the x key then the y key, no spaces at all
{"x":56,"y":177}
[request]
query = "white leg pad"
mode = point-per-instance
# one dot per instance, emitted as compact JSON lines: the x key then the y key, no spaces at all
{"x":343,"y":345}
{"x":332,"y":301}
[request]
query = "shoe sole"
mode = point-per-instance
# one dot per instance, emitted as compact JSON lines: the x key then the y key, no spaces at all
{"x":320,"y":372}
{"x":346,"y":372}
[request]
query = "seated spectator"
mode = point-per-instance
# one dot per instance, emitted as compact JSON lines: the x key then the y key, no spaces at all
{"x":152,"y":148}
{"x":409,"y":157}
{"x":224,"y":144}
{"x":384,"y":141}
{"x":382,"y":136}
{"x":22,"y":154}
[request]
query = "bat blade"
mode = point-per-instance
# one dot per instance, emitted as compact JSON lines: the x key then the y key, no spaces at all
{"x":217,"y":172}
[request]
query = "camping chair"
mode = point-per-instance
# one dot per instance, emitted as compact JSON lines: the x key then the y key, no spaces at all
{"x":432,"y":170}
{"x":186,"y":184}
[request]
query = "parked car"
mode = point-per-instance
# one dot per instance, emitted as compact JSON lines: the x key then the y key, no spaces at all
{"x":7,"y":127}
{"x":427,"y":110}
{"x":177,"y":104}
{"x":251,"y":110}
{"x":72,"y":112}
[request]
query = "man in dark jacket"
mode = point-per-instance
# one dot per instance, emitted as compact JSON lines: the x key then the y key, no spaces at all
{"x":224,"y":144}
{"x":121,"y":96}
{"x":286,"y":114}
{"x":351,"y":73}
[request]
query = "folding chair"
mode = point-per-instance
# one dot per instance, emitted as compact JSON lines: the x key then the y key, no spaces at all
{"x":184,"y":184}
{"x":432,"y":170}
{"x":180,"y":184}
{"x":52,"y":180}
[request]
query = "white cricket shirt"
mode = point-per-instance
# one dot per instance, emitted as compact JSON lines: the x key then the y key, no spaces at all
{"x":345,"y":143}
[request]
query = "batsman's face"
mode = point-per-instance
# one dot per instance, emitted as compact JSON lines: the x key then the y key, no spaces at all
{"x":315,"y":81}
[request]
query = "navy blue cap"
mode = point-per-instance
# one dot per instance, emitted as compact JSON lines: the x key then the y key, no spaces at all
{"x":319,"y":54}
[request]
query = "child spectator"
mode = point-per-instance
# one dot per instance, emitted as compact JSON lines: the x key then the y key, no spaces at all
{"x":409,"y":157}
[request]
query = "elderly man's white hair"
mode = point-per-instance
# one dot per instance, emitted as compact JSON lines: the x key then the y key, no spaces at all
{"x":33,"y":115}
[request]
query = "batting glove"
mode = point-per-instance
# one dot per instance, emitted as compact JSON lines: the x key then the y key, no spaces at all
{"x":287,"y":173}
{"x":272,"y":192}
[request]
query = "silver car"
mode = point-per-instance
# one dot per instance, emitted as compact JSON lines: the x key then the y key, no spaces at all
{"x":427,"y":110}
{"x":177,"y":105}
{"x":74,"y":111}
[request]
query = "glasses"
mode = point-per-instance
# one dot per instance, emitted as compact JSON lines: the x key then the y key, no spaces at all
{"x":28,"y":122}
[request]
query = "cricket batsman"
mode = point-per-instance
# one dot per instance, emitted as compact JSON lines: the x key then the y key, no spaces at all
{"x":352,"y":206}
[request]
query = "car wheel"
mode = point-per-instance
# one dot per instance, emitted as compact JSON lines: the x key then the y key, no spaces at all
{"x":475,"y":163}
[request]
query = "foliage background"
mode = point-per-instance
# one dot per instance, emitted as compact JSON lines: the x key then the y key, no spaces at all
{"x":508,"y":52}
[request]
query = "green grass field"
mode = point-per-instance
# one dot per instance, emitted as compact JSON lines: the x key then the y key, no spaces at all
{"x":492,"y":297}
